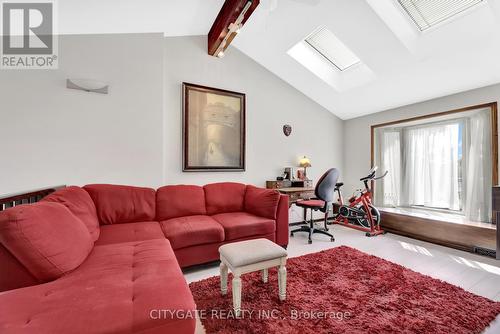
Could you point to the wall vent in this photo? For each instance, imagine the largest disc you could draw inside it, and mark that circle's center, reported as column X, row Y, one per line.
column 485, row 251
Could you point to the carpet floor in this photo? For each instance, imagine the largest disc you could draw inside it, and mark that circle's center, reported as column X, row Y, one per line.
column 343, row 290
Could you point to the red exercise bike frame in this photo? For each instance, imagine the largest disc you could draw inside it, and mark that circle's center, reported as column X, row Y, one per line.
column 360, row 214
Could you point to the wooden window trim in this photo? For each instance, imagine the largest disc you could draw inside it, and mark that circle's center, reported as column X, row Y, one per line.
column 494, row 131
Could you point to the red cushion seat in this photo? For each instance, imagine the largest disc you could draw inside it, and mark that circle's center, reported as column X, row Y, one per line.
column 311, row 203
column 118, row 233
column 116, row 290
column 242, row 225
column 192, row 230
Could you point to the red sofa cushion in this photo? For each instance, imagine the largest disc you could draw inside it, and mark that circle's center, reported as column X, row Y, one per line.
column 80, row 204
column 192, row 230
column 118, row 233
column 243, row 224
column 18, row 276
column 205, row 253
column 224, row 197
column 122, row 204
column 46, row 238
column 116, row 290
column 262, row 202
column 179, row 201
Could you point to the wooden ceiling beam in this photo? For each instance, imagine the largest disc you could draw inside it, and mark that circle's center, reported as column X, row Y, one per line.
column 228, row 14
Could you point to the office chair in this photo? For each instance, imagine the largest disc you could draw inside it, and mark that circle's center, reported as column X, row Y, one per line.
column 324, row 192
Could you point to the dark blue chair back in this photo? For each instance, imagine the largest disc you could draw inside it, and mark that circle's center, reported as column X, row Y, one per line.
column 326, row 185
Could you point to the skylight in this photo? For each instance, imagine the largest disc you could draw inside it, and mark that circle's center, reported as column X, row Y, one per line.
column 427, row 13
column 330, row 47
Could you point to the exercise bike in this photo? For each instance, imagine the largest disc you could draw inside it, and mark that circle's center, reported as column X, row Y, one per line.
column 360, row 214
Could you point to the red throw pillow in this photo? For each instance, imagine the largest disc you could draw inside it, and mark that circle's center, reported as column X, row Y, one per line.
column 262, row 202
column 46, row 238
column 179, row 201
column 78, row 201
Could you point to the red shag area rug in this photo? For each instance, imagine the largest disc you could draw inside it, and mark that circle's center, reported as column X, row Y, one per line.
column 343, row 290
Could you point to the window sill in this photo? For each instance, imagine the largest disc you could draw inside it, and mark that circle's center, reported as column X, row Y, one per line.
column 449, row 217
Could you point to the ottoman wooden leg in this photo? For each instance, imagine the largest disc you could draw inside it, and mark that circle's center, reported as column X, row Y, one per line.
column 237, row 294
column 265, row 275
column 223, row 278
column 282, row 282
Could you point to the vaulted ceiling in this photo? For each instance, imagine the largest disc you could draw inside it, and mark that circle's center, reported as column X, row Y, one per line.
column 404, row 64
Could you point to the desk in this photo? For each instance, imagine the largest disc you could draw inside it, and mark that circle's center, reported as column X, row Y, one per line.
column 296, row 194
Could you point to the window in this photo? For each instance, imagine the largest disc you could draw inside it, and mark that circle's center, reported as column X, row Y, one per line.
column 425, row 161
column 432, row 165
column 427, row 13
column 442, row 162
column 328, row 58
column 330, row 47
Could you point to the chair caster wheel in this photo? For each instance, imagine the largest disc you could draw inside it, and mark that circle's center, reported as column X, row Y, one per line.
column 309, row 242
column 368, row 234
column 291, row 234
column 332, row 239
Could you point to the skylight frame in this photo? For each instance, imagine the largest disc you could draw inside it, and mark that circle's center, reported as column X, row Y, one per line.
column 341, row 46
column 414, row 12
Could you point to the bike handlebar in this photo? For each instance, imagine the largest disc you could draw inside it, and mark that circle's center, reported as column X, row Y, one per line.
column 381, row 176
column 371, row 176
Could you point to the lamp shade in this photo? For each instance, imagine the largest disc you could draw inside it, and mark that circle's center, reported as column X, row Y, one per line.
column 305, row 162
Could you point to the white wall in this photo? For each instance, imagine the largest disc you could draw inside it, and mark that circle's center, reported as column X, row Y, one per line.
column 357, row 130
column 52, row 135
column 270, row 104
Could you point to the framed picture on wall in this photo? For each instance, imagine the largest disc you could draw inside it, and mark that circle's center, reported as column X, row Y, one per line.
column 213, row 129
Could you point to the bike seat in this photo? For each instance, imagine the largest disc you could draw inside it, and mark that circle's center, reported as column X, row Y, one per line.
column 340, row 184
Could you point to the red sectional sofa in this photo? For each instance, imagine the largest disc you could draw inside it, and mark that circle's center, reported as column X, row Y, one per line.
column 108, row 258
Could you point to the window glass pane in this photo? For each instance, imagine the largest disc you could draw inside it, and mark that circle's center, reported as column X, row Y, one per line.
column 432, row 166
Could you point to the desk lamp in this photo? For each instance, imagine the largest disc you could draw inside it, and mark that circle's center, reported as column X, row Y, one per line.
column 305, row 162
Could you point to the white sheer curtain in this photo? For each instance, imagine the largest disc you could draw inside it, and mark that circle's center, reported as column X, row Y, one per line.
column 478, row 168
column 431, row 166
column 390, row 160
column 446, row 164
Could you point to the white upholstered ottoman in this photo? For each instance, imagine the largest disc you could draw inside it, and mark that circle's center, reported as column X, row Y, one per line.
column 247, row 256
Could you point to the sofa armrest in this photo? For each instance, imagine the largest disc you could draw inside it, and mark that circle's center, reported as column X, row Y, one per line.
column 282, row 233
